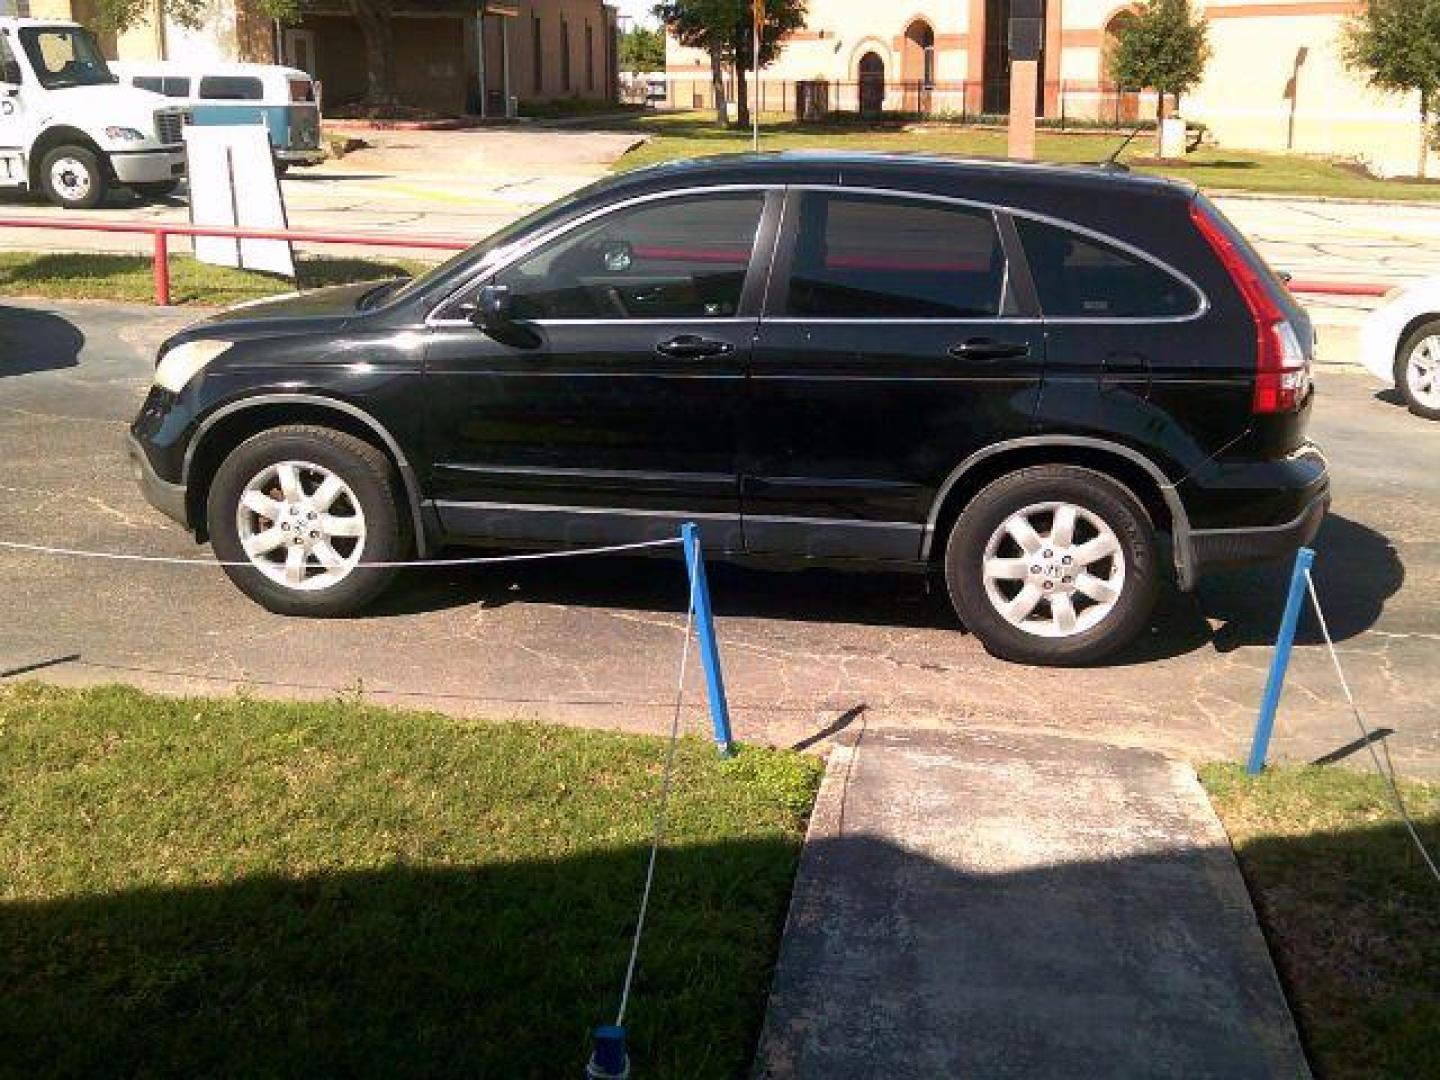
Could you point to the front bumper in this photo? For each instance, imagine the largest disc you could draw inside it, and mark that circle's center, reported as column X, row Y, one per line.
column 148, row 166
column 301, row 157
column 166, row 497
column 1213, row 549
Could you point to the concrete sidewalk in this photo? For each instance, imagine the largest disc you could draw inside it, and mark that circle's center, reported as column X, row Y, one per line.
column 989, row 905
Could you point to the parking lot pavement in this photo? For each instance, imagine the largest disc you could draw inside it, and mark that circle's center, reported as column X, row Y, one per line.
column 596, row 642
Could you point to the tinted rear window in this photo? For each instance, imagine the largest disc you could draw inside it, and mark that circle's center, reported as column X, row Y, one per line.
column 1078, row 277
column 231, row 88
column 876, row 256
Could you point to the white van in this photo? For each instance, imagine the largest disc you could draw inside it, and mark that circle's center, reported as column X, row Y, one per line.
column 67, row 126
column 285, row 100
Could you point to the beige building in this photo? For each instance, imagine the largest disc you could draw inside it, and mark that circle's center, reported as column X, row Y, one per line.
column 450, row 56
column 1275, row 81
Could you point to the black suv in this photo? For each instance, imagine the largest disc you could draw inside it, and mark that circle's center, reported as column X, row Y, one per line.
column 1046, row 381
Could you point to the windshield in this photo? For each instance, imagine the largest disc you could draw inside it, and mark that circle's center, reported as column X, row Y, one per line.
column 64, row 56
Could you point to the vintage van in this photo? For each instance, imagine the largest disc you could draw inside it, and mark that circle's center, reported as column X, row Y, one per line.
column 285, row 100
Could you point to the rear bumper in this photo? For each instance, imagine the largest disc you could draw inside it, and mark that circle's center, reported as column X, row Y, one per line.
column 148, row 166
column 1215, row 549
column 166, row 497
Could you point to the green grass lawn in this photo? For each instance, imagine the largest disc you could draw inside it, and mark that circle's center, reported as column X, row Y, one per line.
column 681, row 135
column 226, row 886
column 1350, row 912
column 64, row 276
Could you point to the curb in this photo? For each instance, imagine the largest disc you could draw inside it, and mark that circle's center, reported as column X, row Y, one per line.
column 1342, row 288
column 1344, row 200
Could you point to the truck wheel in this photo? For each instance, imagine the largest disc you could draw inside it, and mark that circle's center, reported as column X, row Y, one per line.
column 156, row 191
column 1417, row 370
column 1053, row 564
column 73, row 178
column 294, row 511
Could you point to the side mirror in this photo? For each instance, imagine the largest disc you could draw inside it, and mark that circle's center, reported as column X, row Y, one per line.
column 493, row 309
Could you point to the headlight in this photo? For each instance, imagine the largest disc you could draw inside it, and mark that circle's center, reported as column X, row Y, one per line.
column 184, row 362
column 124, row 134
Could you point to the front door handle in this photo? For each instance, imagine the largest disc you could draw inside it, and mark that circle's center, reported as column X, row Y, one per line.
column 989, row 349
column 693, row 347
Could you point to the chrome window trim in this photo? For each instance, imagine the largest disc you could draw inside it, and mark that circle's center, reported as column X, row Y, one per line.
column 1203, row 301
column 532, row 244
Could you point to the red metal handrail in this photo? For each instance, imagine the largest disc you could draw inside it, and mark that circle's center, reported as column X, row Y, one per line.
column 162, row 231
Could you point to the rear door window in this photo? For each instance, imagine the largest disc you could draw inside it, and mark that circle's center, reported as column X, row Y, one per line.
column 892, row 257
column 1080, row 277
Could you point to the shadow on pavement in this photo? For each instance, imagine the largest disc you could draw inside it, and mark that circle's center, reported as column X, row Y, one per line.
column 1356, row 571
column 33, row 341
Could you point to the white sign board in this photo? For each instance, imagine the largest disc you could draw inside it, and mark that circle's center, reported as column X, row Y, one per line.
column 233, row 182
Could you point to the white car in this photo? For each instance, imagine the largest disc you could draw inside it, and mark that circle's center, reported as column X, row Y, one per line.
column 1400, row 344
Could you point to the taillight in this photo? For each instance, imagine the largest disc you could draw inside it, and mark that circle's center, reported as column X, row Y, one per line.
column 1282, row 365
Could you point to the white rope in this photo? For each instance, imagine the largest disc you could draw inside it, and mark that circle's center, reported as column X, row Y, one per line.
column 1387, row 775
column 483, row 560
column 659, row 812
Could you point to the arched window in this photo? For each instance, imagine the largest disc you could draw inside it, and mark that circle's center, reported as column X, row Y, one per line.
column 918, row 62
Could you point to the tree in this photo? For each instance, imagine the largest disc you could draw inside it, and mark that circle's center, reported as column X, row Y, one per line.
column 120, row 15
column 1163, row 48
column 726, row 30
column 642, row 49
column 1397, row 44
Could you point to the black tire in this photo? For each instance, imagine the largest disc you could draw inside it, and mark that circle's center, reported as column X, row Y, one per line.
column 90, row 185
column 376, row 489
column 161, row 190
column 1402, row 363
column 1092, row 493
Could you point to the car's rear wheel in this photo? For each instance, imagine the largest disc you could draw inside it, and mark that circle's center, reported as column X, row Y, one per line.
column 294, row 513
column 1417, row 370
column 1054, row 565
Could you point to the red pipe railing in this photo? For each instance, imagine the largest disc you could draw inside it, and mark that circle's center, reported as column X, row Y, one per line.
column 161, row 233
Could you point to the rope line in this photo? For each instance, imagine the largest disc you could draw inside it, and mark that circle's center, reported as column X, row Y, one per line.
column 478, row 560
column 665, row 785
column 1387, row 775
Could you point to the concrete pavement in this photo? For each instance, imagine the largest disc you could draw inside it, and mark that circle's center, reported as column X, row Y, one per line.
column 806, row 653
column 997, row 905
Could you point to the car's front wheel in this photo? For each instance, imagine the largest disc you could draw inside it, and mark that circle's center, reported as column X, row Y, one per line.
column 298, row 513
column 1417, row 370
column 73, row 177
column 1053, row 565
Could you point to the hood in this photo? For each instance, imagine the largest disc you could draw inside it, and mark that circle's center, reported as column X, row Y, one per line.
column 108, row 103
column 325, row 308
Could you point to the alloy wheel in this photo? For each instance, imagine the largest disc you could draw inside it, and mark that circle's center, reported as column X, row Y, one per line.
column 1054, row 569
column 301, row 525
column 1422, row 372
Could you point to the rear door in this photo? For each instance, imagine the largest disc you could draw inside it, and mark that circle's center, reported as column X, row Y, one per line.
column 893, row 346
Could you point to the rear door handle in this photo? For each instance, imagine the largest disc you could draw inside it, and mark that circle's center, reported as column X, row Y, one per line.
column 693, row 347
column 989, row 349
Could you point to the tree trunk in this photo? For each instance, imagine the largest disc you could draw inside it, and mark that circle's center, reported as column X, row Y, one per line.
column 717, row 84
column 1424, row 135
column 374, row 19
column 1160, row 124
column 742, row 97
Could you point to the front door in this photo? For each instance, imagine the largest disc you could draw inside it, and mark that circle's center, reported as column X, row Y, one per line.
column 891, row 350
column 300, row 50
column 612, row 411
column 12, row 120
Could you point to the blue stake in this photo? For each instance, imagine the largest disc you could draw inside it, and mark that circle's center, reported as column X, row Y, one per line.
column 610, row 1060
column 705, row 627
column 1275, row 685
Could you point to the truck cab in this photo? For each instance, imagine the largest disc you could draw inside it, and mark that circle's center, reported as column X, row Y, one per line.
column 70, row 129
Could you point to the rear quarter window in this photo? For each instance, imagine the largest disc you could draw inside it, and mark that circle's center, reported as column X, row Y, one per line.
column 231, row 88
column 1081, row 277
